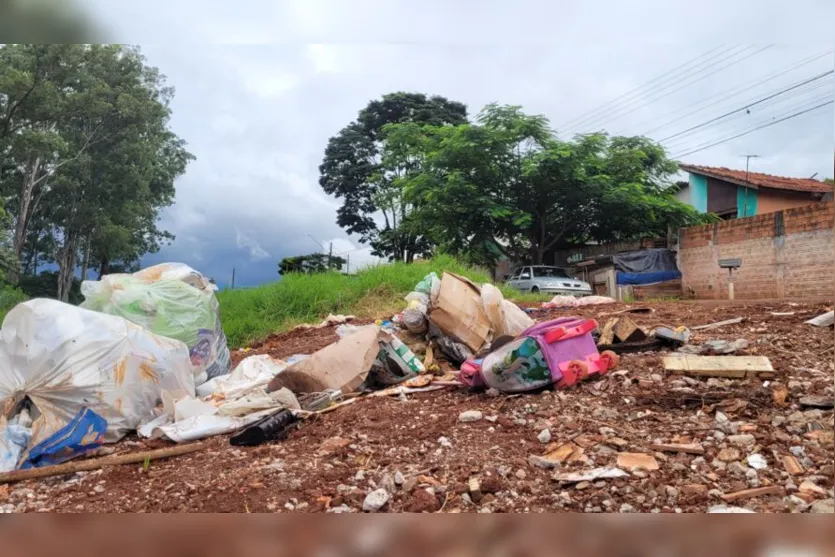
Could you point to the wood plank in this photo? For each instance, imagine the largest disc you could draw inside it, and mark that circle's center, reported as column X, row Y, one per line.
column 627, row 331
column 689, row 448
column 718, row 324
column 735, row 367
column 751, row 493
column 96, row 463
column 792, row 465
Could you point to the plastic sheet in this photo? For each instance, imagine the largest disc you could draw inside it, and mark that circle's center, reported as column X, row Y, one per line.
column 645, row 261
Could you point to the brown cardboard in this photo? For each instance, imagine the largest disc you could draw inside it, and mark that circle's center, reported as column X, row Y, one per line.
column 342, row 365
column 459, row 312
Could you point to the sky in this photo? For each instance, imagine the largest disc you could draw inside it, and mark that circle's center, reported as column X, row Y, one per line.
column 262, row 85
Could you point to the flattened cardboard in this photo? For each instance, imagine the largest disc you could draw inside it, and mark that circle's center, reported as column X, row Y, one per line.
column 342, row 365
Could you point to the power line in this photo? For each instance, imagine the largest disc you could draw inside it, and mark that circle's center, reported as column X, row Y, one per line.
column 747, row 106
column 631, row 92
column 687, row 84
column 681, row 143
column 728, row 94
column 796, row 114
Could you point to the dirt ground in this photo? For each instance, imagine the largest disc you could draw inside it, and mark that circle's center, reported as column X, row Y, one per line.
column 427, row 460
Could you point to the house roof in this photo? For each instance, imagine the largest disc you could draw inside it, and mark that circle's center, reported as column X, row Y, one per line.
column 759, row 180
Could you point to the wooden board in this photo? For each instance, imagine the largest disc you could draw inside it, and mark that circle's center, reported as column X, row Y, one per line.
column 627, row 331
column 718, row 324
column 736, row 367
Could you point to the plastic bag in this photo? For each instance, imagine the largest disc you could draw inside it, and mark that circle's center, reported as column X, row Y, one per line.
column 506, row 318
column 414, row 319
column 58, row 359
column 252, row 372
column 172, row 300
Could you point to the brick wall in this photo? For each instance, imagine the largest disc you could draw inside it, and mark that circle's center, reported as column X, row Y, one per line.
column 787, row 254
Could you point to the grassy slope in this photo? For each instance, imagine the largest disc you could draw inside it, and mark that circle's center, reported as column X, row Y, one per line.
column 376, row 292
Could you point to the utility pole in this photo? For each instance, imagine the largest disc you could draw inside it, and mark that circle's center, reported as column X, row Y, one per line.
column 745, row 202
column 330, row 255
column 232, row 287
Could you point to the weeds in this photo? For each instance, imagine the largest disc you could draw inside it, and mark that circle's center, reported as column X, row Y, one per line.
column 375, row 292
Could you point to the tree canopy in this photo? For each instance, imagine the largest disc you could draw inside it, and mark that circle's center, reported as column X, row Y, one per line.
column 312, row 263
column 88, row 157
column 508, row 185
column 360, row 170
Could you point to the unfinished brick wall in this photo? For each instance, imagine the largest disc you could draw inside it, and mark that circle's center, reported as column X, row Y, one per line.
column 786, row 254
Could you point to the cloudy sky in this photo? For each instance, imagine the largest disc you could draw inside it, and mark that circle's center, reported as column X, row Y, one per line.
column 262, row 85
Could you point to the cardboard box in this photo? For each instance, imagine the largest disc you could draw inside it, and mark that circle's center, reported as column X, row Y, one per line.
column 459, row 312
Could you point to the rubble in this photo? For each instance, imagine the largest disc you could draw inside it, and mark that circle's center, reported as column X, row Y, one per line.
column 682, row 422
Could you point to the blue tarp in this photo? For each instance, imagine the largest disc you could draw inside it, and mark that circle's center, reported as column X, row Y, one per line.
column 647, row 278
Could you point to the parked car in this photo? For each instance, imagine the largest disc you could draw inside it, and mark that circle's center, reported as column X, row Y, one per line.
column 548, row 280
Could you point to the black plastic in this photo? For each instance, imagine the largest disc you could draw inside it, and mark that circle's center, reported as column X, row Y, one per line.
column 645, row 261
column 274, row 427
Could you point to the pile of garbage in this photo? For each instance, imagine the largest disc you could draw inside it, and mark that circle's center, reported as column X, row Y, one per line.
column 72, row 378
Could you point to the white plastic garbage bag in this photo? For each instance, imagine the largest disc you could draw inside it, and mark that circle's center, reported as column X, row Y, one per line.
column 58, row 360
column 506, row 318
column 172, row 300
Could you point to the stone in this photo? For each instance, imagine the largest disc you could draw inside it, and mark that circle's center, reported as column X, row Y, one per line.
column 737, row 469
column 729, row 455
column 811, row 488
column 444, row 442
column 742, row 440
column 544, row 436
column 470, row 416
column 796, row 504
column 422, row 501
column 582, row 485
column 672, row 492
column 399, row 479
column 824, row 506
column 521, row 474
column 757, row 461
column 375, row 500
column 626, row 508
column 99, row 489
column 542, row 462
column 387, row 483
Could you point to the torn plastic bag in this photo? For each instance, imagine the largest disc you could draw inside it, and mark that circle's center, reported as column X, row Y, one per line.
column 172, row 300
column 414, row 319
column 59, row 359
column 506, row 318
column 270, row 428
column 251, row 372
column 84, row 433
column 394, row 363
column 456, row 352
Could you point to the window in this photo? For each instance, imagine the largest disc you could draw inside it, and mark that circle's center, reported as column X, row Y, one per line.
column 550, row 272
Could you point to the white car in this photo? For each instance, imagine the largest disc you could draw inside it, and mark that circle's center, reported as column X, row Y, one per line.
column 548, row 280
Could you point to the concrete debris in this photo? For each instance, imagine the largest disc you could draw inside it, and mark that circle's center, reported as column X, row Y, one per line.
column 375, row 500
column 470, row 416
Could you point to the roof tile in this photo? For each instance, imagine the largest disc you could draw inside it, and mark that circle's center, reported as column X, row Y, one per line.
column 760, row 180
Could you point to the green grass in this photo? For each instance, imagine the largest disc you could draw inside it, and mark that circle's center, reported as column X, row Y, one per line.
column 376, row 292
column 9, row 298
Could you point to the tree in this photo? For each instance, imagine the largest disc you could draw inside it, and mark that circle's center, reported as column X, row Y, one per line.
column 357, row 169
column 309, row 264
column 508, row 186
column 90, row 160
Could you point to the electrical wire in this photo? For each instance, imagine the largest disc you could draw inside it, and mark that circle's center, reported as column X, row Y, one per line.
column 728, row 94
column 589, row 113
column 677, row 143
column 747, row 106
column 687, row 84
column 796, row 114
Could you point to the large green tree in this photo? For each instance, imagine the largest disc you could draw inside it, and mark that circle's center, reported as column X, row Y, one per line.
column 508, row 185
column 358, row 169
column 89, row 158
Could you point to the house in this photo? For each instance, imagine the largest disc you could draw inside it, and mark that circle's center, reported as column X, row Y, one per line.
column 737, row 193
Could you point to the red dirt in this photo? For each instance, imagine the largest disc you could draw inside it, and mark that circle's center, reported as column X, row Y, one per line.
column 332, row 461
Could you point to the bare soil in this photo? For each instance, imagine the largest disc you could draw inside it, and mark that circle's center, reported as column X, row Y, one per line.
column 416, row 448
